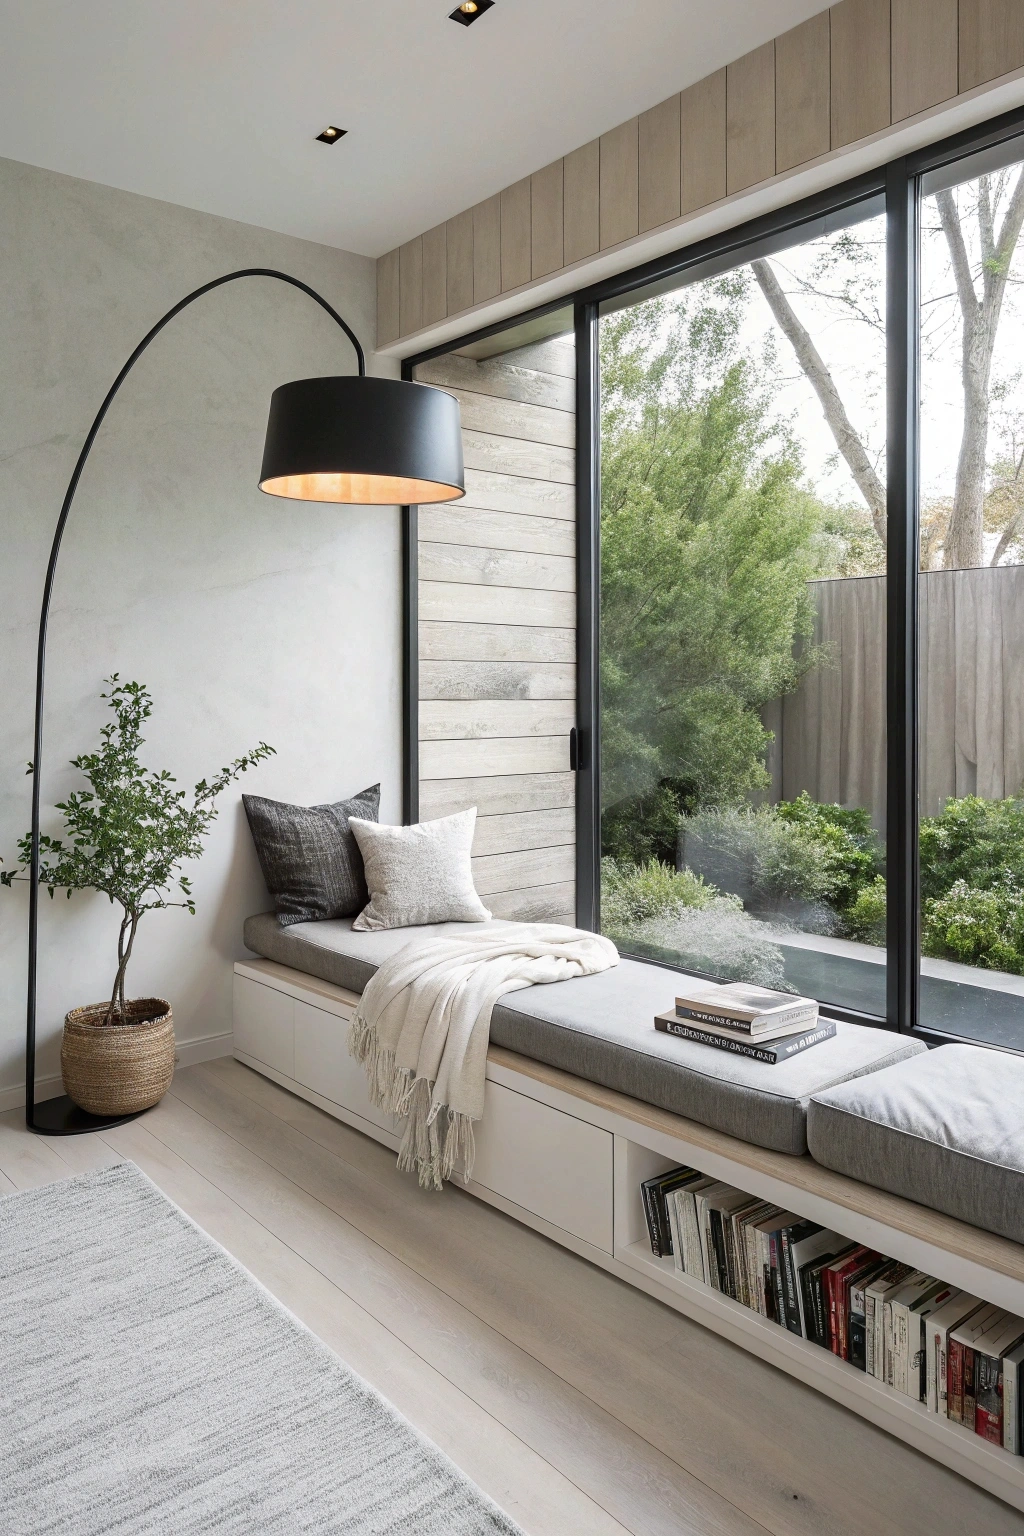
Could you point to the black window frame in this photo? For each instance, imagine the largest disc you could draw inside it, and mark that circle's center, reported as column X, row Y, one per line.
column 898, row 183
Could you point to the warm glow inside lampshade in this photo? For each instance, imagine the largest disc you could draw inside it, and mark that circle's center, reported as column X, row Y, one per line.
column 371, row 442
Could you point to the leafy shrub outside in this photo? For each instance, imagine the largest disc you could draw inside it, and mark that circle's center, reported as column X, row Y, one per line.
column 972, row 883
column 799, row 854
column 980, row 842
column 757, row 856
column 633, row 893
column 674, row 915
column 850, row 841
column 719, row 940
column 865, row 917
column 977, row 927
column 645, row 827
column 822, row 864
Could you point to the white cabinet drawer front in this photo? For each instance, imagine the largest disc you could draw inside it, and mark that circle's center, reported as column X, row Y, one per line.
column 264, row 1024
column 556, row 1166
column 322, row 1062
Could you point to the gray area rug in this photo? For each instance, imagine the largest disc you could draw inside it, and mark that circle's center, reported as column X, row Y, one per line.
column 149, row 1384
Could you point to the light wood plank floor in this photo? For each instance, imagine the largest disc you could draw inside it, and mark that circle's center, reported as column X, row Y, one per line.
column 580, row 1404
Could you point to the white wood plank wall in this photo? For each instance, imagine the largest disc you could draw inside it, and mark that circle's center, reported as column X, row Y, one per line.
column 497, row 632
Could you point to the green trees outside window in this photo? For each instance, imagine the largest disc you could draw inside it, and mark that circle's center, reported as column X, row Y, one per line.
column 743, row 480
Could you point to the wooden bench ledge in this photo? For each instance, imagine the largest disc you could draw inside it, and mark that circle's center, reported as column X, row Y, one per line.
column 987, row 1248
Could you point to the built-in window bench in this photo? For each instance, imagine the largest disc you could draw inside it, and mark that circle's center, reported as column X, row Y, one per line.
column 567, row 1157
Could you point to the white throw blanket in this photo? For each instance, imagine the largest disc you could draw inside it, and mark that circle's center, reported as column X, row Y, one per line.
column 423, row 1026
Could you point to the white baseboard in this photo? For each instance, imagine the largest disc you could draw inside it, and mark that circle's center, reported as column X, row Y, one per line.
column 188, row 1053
column 46, row 1088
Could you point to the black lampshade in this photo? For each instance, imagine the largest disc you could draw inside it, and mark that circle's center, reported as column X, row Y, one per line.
column 372, row 442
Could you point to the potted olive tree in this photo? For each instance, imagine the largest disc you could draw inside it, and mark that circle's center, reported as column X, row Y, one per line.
column 126, row 835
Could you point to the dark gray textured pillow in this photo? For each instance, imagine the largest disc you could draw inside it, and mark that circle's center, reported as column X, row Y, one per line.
column 309, row 858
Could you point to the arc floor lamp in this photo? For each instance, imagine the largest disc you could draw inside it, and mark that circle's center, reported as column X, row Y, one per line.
column 348, row 439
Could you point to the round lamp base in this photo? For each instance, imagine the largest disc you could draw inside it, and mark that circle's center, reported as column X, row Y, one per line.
column 61, row 1117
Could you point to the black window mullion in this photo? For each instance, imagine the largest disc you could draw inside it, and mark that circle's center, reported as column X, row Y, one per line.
column 902, row 377
column 410, row 657
column 588, row 610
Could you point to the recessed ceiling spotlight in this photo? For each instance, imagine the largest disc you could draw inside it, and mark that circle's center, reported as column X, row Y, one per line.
column 331, row 135
column 470, row 11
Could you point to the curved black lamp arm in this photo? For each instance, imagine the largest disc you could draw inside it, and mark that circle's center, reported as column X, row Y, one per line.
column 37, row 744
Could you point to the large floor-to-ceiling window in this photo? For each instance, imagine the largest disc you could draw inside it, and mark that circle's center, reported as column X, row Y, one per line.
column 799, row 696
column 971, row 554
column 742, row 631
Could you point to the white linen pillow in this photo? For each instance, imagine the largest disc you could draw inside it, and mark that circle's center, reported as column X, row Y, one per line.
column 418, row 874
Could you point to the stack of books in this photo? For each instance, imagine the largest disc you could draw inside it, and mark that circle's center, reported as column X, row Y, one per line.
column 955, row 1354
column 748, row 1021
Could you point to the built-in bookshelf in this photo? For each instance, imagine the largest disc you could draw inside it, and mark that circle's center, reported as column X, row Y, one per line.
column 799, row 1356
column 567, row 1157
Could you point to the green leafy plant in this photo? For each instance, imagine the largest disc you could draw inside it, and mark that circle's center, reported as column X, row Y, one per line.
column 849, row 841
column 977, row 927
column 709, row 537
column 865, row 917
column 854, row 821
column 799, row 852
column 128, row 834
column 979, row 842
column 635, row 893
column 972, row 883
column 644, row 827
column 757, row 855
column 654, row 910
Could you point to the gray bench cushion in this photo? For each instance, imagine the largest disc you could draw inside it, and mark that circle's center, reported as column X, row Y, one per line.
column 945, row 1129
column 336, row 952
column 601, row 1028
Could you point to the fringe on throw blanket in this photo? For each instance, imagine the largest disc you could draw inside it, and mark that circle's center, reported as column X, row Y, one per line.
column 397, row 1091
column 423, row 1023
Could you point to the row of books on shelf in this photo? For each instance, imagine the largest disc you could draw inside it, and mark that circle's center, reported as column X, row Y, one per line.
column 962, row 1357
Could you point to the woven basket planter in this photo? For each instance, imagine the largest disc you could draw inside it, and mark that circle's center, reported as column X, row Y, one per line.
column 118, row 1069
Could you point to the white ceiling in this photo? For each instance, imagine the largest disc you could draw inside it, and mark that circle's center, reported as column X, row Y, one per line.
column 214, row 104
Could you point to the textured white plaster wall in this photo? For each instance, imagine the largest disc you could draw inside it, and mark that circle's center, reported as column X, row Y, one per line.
column 248, row 617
